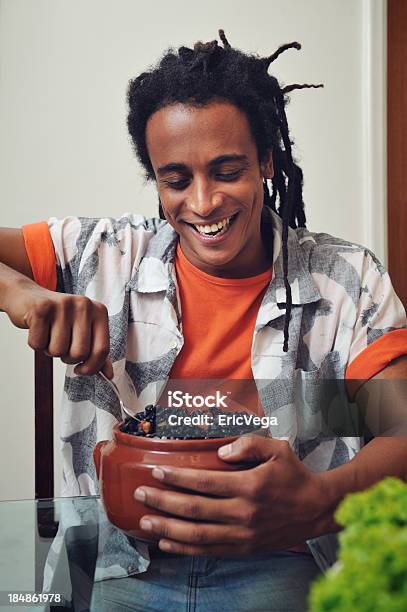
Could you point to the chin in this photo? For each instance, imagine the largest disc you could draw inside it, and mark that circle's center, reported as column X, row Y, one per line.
column 218, row 261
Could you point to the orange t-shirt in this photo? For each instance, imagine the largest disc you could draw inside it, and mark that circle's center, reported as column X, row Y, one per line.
column 218, row 319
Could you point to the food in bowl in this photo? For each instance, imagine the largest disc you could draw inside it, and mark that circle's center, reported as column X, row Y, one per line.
column 160, row 422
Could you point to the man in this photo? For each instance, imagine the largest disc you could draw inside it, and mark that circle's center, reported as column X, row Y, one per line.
column 222, row 286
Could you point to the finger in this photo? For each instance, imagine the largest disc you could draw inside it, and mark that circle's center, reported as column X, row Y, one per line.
column 108, row 369
column 191, row 506
column 200, row 534
column 60, row 336
column 99, row 343
column 82, row 315
column 211, row 482
column 223, row 550
column 39, row 334
column 250, row 448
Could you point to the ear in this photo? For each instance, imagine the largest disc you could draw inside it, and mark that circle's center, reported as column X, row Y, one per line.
column 267, row 167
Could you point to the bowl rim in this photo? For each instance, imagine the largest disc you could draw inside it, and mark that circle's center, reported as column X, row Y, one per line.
column 149, row 443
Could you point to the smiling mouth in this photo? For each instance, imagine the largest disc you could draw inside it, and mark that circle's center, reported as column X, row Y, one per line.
column 214, row 229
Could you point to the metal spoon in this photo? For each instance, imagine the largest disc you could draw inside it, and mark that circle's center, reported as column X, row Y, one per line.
column 114, row 387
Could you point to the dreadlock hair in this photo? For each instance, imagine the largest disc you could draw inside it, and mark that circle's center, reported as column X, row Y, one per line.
column 210, row 72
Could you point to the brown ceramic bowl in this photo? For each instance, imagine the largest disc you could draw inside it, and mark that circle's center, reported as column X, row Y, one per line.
column 126, row 462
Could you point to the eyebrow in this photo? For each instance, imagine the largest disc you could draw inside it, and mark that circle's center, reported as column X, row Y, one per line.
column 217, row 161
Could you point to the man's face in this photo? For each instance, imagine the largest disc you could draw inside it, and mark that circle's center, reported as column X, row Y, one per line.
column 207, row 172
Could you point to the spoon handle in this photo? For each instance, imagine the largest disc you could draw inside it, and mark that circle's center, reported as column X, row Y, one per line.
column 115, row 388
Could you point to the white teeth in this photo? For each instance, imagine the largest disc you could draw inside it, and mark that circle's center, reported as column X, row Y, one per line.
column 206, row 229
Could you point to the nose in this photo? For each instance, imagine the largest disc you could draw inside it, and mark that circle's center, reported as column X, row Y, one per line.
column 203, row 198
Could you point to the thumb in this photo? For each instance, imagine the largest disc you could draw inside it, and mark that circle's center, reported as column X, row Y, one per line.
column 108, row 369
column 252, row 448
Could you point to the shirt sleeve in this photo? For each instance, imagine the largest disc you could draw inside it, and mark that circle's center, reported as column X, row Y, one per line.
column 88, row 256
column 380, row 332
column 41, row 254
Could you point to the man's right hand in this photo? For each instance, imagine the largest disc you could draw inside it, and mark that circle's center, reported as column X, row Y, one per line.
column 71, row 327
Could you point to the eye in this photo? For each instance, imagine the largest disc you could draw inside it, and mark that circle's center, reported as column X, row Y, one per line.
column 229, row 176
column 178, row 185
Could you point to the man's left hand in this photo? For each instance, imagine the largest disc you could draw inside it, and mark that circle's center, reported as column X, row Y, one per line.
column 277, row 504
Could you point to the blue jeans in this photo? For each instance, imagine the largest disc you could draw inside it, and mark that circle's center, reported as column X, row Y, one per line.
column 277, row 581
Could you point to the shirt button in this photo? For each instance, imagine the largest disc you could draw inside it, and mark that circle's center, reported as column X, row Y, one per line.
column 174, row 345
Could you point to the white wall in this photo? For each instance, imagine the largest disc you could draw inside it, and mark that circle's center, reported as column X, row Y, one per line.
column 64, row 68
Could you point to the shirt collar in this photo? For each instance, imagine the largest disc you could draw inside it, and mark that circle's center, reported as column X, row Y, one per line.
column 154, row 272
column 157, row 266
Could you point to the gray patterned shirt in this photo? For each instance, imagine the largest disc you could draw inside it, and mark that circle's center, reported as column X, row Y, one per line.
column 342, row 299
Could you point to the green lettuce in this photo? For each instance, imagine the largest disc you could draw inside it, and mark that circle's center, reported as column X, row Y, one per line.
column 371, row 572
